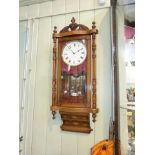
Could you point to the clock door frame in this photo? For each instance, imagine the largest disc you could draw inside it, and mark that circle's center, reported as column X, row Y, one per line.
column 87, row 98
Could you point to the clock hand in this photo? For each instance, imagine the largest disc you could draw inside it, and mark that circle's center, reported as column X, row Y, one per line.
column 78, row 50
column 73, row 52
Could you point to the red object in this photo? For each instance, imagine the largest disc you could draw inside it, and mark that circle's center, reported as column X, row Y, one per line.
column 129, row 32
column 74, row 69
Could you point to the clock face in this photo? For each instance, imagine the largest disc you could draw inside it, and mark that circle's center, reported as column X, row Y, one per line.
column 74, row 53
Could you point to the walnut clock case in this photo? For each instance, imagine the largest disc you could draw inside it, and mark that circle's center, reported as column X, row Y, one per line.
column 74, row 76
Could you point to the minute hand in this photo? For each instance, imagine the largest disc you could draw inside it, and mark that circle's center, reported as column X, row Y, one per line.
column 78, row 50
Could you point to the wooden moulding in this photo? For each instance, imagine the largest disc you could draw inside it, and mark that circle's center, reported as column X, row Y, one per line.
column 68, row 109
column 94, row 70
column 77, row 32
column 54, row 73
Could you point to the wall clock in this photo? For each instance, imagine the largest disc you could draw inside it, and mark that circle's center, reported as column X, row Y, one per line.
column 74, row 76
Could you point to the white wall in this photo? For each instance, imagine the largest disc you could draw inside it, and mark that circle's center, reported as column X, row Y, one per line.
column 42, row 134
column 22, row 71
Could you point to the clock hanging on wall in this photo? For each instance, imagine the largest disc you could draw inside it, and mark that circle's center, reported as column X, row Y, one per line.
column 74, row 76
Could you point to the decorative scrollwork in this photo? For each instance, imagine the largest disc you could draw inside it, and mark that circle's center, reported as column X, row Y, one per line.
column 74, row 26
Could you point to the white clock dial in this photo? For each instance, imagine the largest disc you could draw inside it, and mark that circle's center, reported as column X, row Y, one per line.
column 74, row 53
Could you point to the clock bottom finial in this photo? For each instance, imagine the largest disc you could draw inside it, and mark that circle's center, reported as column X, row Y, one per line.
column 53, row 113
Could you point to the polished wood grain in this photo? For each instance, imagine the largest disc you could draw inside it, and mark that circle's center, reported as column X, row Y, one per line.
column 94, row 70
column 75, row 122
column 54, row 73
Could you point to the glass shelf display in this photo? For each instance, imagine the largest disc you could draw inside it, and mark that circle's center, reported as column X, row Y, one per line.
column 129, row 37
column 126, row 60
column 131, row 131
column 129, row 33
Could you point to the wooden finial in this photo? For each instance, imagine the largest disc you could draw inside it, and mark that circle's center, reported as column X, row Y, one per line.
column 94, row 116
column 53, row 113
column 55, row 29
column 73, row 20
column 93, row 26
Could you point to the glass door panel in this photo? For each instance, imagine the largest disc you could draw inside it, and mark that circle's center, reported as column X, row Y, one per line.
column 125, row 14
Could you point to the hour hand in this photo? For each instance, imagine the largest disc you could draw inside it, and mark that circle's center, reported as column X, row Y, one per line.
column 72, row 52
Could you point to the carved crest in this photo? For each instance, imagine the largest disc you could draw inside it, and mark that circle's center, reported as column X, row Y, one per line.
column 74, row 26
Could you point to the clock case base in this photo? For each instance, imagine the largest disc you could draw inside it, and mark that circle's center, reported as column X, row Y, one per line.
column 75, row 122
